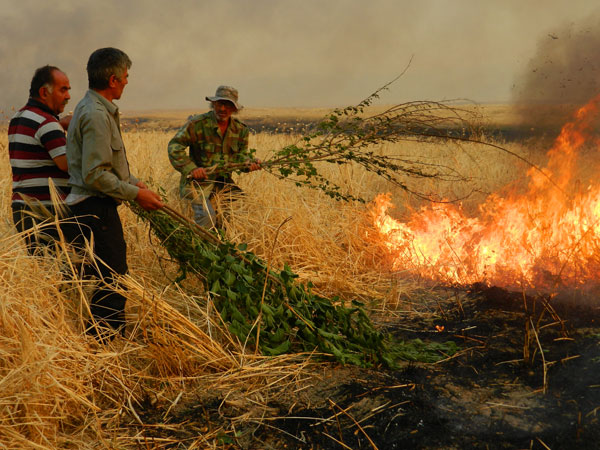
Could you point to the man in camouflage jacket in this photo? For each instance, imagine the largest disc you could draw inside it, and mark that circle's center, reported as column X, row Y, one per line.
column 213, row 138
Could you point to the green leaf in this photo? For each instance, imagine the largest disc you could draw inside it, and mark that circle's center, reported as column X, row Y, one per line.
column 216, row 287
column 284, row 347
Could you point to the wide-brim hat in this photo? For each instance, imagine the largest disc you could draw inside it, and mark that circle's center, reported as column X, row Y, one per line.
column 227, row 93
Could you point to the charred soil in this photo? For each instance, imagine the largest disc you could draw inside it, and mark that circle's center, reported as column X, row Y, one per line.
column 526, row 377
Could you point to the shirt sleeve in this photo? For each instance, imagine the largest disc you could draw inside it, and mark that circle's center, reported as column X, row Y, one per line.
column 52, row 137
column 177, row 149
column 100, row 148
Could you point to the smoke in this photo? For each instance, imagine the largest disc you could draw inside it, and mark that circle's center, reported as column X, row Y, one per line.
column 563, row 74
column 280, row 53
column 55, row 33
column 310, row 53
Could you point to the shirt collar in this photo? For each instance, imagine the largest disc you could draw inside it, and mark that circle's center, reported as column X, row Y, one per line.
column 110, row 106
column 37, row 104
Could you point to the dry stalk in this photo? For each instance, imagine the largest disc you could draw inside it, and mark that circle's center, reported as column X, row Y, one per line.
column 544, row 366
column 543, row 444
column 556, row 317
column 338, row 441
column 355, row 422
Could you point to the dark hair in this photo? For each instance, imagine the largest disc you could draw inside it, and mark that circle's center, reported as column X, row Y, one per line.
column 104, row 63
column 43, row 76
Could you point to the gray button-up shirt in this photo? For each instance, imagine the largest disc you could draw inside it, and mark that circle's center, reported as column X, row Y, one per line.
column 95, row 152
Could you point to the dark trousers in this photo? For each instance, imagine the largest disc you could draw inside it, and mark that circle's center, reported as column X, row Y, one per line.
column 99, row 217
column 26, row 220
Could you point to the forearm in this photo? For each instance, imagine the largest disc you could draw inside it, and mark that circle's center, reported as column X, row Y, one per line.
column 179, row 158
column 178, row 151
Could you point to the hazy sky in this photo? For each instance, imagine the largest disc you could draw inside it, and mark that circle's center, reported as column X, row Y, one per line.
column 300, row 52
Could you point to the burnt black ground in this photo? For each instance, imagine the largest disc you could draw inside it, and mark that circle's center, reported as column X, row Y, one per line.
column 492, row 395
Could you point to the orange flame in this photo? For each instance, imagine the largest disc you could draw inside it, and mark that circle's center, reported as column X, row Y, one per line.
column 543, row 239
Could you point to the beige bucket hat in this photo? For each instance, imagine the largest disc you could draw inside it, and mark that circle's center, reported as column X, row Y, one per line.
column 226, row 93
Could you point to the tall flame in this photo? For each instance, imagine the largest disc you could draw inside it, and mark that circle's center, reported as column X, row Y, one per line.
column 545, row 238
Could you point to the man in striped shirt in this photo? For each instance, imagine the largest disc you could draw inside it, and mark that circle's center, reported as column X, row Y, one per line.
column 37, row 149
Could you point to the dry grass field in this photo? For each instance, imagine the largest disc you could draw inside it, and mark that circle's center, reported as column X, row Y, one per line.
column 180, row 380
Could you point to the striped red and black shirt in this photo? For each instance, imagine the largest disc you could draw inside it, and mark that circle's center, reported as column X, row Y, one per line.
column 34, row 138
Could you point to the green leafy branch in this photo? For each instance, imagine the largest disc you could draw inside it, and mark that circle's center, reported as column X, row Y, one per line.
column 271, row 310
column 349, row 136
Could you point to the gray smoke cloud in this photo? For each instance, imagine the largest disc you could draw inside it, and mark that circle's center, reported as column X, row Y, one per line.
column 562, row 75
column 278, row 52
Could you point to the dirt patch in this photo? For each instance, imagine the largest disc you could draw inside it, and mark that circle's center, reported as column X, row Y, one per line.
column 527, row 377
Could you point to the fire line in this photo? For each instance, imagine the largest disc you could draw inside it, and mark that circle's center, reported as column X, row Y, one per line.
column 542, row 239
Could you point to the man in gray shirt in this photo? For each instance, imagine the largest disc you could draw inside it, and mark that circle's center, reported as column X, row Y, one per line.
column 100, row 180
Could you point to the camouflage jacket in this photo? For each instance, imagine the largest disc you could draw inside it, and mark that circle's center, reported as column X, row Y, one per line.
column 207, row 146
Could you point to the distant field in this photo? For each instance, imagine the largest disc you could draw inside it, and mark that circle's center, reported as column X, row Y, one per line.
column 273, row 119
column 503, row 122
column 500, row 121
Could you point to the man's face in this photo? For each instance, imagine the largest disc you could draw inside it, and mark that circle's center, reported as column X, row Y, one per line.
column 118, row 84
column 56, row 98
column 223, row 110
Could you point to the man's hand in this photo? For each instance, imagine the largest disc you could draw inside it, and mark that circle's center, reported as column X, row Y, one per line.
column 254, row 165
column 199, row 173
column 149, row 200
column 65, row 121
